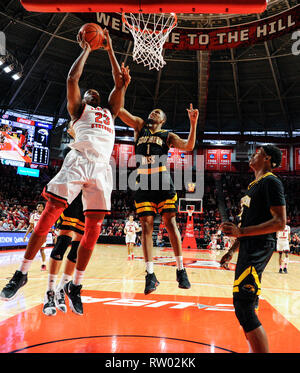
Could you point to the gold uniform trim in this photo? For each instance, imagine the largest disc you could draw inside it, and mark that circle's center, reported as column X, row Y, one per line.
column 250, row 270
column 148, row 171
column 262, row 177
column 145, row 204
column 143, row 209
column 72, row 221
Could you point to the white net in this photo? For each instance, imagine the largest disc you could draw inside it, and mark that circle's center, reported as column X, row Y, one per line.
column 150, row 32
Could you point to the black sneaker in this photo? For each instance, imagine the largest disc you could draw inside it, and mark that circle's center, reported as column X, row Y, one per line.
column 280, row 270
column 285, row 270
column 49, row 308
column 182, row 278
column 151, row 283
column 73, row 293
column 15, row 283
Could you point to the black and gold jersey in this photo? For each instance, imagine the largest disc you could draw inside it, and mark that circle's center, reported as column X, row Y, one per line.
column 151, row 149
column 261, row 194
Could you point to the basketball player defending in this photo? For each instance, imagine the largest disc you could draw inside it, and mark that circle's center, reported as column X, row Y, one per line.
column 130, row 230
column 283, row 246
column 263, row 214
column 152, row 144
column 34, row 218
column 85, row 168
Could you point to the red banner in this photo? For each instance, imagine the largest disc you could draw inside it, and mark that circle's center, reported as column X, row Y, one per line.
column 126, row 155
column 179, row 158
column 284, row 167
column 297, row 159
column 214, row 38
column 218, row 159
column 225, row 160
column 212, row 159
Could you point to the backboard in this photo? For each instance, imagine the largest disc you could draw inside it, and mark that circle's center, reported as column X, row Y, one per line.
column 146, row 6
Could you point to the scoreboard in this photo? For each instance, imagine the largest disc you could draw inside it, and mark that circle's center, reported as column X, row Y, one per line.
column 24, row 141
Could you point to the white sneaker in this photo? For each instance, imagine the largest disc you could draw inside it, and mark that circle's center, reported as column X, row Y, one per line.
column 49, row 308
column 60, row 300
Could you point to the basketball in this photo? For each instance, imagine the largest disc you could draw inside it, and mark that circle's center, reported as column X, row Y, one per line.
column 94, row 35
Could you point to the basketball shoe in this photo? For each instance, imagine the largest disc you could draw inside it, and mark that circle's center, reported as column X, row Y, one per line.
column 73, row 293
column 151, row 283
column 60, row 300
column 49, row 307
column 182, row 279
column 15, row 283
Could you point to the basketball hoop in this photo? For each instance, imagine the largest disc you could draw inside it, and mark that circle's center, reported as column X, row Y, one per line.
column 190, row 210
column 150, row 32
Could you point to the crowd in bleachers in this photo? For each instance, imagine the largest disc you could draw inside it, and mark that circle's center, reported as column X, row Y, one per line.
column 235, row 186
column 20, row 194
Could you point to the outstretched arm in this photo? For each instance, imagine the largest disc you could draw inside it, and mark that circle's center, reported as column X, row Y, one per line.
column 73, row 91
column 177, row 142
column 116, row 97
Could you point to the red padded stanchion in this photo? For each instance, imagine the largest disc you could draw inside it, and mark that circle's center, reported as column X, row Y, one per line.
column 146, row 6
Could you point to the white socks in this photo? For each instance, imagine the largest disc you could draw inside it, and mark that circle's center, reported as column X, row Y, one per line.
column 25, row 266
column 78, row 276
column 51, row 282
column 64, row 279
column 179, row 262
column 149, row 267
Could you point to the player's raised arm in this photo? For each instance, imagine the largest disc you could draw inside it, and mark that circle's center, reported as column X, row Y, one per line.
column 177, row 142
column 131, row 120
column 116, row 97
column 73, row 91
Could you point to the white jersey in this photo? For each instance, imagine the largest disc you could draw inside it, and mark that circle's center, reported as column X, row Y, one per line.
column 284, row 235
column 94, row 134
column 131, row 227
column 34, row 218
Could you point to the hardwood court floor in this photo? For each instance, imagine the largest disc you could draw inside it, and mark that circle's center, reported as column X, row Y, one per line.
column 118, row 317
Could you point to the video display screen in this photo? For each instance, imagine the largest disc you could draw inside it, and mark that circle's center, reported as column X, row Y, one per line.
column 24, row 141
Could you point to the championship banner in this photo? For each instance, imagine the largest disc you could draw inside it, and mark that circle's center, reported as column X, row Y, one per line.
column 126, row 152
column 284, row 167
column 297, row 159
column 212, row 159
column 179, row 158
column 225, row 159
column 212, row 38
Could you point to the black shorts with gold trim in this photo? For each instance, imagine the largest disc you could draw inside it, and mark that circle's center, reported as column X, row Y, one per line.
column 72, row 219
column 160, row 199
column 254, row 255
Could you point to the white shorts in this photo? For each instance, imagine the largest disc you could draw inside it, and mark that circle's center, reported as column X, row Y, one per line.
column 130, row 238
column 78, row 173
column 282, row 246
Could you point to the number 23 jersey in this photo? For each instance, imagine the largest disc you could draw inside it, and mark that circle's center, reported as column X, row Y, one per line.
column 94, row 134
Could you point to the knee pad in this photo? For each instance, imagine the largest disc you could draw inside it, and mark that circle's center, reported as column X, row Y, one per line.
column 72, row 256
column 60, row 247
column 245, row 313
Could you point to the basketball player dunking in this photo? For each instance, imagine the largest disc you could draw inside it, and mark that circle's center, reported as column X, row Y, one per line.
column 85, row 168
column 152, row 144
